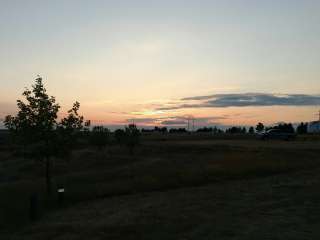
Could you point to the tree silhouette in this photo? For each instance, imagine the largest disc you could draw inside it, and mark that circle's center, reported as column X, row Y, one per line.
column 251, row 130
column 259, row 127
column 69, row 129
column 285, row 127
column 236, row 130
column 132, row 136
column 302, row 128
column 177, row 130
column 120, row 136
column 99, row 136
column 35, row 123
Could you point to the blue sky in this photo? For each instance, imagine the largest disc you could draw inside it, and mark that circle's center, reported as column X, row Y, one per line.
column 125, row 58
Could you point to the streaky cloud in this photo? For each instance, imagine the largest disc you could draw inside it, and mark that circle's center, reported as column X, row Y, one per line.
column 246, row 100
column 173, row 122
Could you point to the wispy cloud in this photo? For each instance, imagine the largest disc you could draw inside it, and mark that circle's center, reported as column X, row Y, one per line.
column 173, row 122
column 245, row 100
column 176, row 120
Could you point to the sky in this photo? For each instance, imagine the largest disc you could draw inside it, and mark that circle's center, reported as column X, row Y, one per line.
column 227, row 62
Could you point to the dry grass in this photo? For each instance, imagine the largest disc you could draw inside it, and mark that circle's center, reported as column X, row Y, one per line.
column 173, row 188
column 278, row 207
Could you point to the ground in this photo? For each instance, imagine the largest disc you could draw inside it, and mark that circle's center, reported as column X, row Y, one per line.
column 185, row 188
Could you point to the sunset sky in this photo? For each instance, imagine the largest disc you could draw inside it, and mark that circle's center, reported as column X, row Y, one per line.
column 227, row 62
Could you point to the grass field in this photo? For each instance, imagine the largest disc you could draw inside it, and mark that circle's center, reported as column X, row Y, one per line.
column 173, row 187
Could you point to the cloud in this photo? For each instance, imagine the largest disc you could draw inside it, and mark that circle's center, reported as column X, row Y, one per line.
column 245, row 100
column 177, row 120
column 198, row 97
column 173, row 122
column 142, row 120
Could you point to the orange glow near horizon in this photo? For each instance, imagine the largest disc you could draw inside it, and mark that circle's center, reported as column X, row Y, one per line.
column 125, row 60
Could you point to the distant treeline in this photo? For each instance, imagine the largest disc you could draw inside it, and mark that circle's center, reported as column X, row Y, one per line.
column 285, row 127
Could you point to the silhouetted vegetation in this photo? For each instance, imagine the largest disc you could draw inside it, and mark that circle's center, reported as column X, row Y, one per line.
column 132, row 137
column 284, row 127
column 35, row 126
column 251, row 130
column 236, row 130
column 100, row 137
column 259, row 127
column 155, row 129
column 69, row 130
column 302, row 128
column 178, row 130
column 120, row 136
column 213, row 130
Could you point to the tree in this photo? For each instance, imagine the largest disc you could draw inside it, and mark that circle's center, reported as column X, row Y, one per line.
column 132, row 136
column 120, row 136
column 251, row 130
column 235, row 130
column 160, row 129
column 177, row 130
column 302, row 128
column 69, row 129
column 285, row 127
column 259, row 127
column 205, row 129
column 99, row 136
column 35, row 123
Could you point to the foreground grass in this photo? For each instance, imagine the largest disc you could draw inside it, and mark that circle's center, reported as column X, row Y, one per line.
column 158, row 165
column 283, row 206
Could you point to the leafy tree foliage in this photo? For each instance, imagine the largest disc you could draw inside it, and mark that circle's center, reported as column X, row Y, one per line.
column 259, row 127
column 251, row 130
column 36, row 125
column 69, row 129
column 35, row 122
